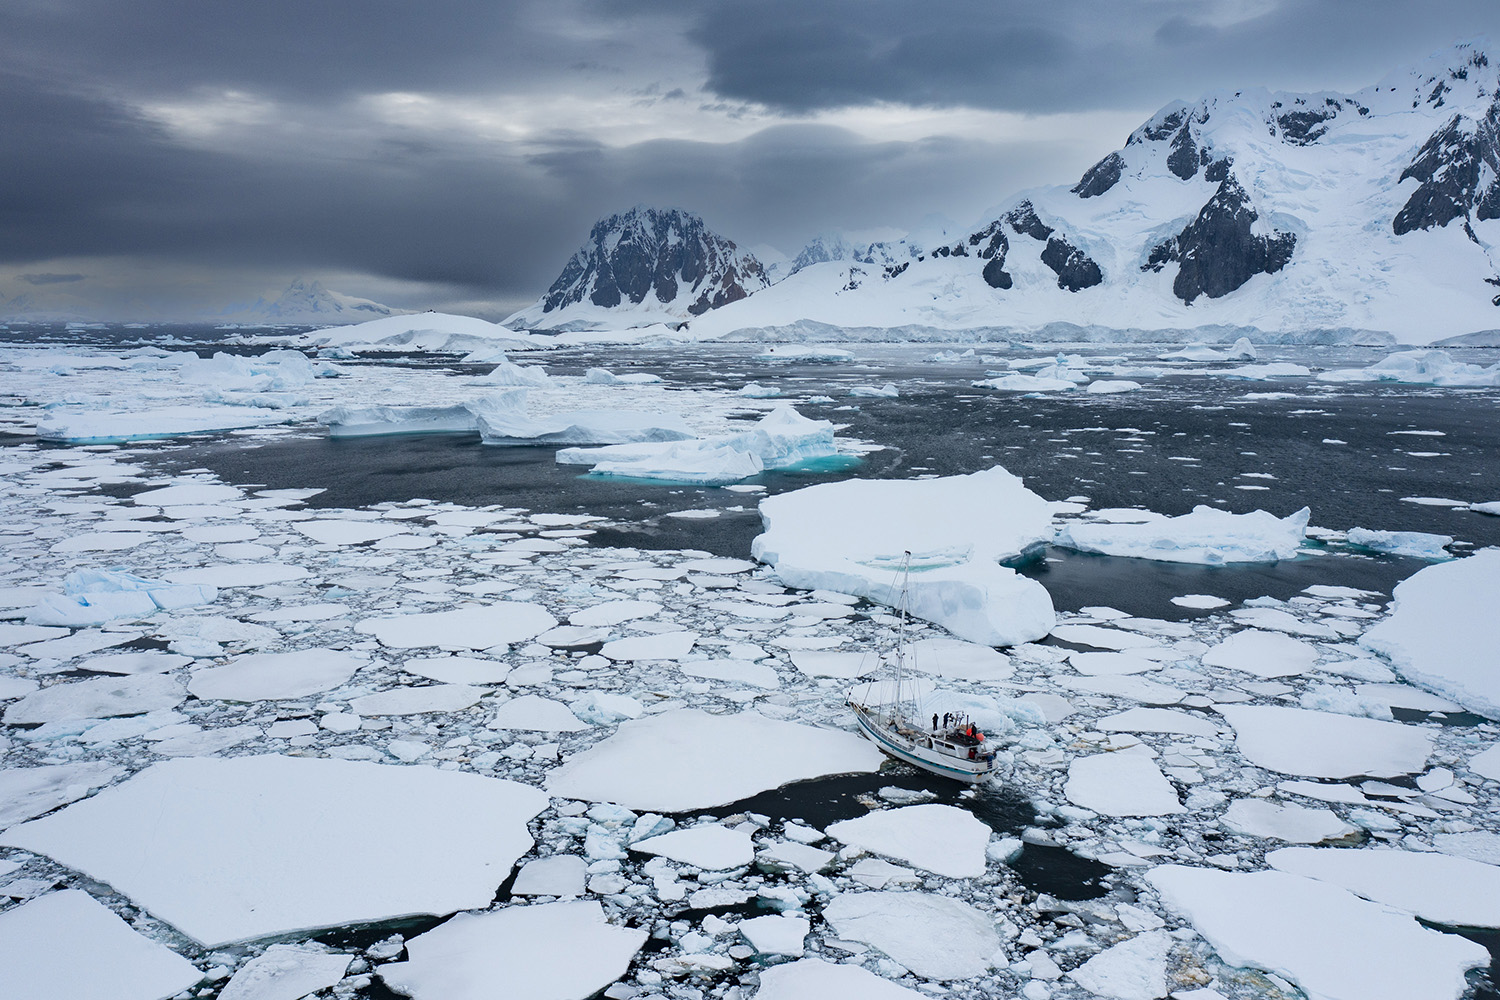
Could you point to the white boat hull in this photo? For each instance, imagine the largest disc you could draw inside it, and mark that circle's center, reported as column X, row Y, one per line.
column 912, row 747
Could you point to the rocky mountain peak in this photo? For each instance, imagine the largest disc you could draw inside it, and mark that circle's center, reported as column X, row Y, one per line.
column 662, row 257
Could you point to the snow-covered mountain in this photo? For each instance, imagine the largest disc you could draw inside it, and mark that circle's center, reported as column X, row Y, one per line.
column 308, row 302
column 645, row 266
column 1317, row 215
column 829, row 247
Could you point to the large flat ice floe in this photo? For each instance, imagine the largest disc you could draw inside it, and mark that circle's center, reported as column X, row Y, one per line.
column 66, row 944
column 814, row 979
column 1440, row 634
column 1435, row 887
column 1311, row 744
column 550, row 951
column 690, row 759
column 1119, row 784
column 1328, row 941
column 1424, row 367
column 429, row 331
column 939, row 838
column 189, row 840
column 26, row 792
column 851, row 537
column 113, row 426
column 1207, row 536
column 480, row 627
column 937, row 937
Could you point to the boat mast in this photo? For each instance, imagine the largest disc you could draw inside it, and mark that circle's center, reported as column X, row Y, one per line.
column 901, row 611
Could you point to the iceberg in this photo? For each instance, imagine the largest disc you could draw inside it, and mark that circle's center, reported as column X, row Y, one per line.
column 851, row 537
column 1207, row 536
column 507, row 373
column 1402, row 543
column 787, row 353
column 603, row 376
column 429, row 331
column 1242, row 350
column 781, row 439
column 505, row 422
column 371, row 421
column 274, row 371
column 1424, row 367
column 1440, row 633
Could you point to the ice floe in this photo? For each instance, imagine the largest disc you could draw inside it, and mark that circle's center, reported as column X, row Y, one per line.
column 286, row 972
column 96, row 698
column 937, row 937
column 851, row 537
column 709, row 846
column 939, row 838
column 26, row 792
column 1264, row 654
column 1120, row 784
column 548, row 951
column 1312, row 744
column 657, row 762
column 1435, row 887
column 1208, row 536
column 66, row 944
column 1424, row 367
column 1284, row 821
column 815, row 979
column 1439, row 633
column 188, row 840
column 1134, row 969
column 1326, row 940
column 276, row 676
column 475, row 627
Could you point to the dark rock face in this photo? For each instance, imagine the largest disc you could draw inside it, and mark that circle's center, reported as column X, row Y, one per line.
column 992, row 248
column 1100, row 177
column 1023, row 220
column 1183, row 159
column 1075, row 269
column 1217, row 252
column 661, row 254
column 1301, row 128
column 1450, row 166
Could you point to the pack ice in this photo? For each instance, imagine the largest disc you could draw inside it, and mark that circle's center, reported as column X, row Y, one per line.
column 851, row 537
column 350, row 842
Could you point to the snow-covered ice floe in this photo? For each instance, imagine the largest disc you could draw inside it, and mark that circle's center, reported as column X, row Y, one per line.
column 689, row 759
column 1325, row 745
column 1440, row 634
column 68, row 945
column 1325, row 939
column 549, row 951
column 93, row 597
column 1207, row 536
column 939, row 838
column 780, row 440
column 353, row 842
column 459, row 418
column 113, row 426
column 511, row 425
column 851, row 537
column 1433, row 886
column 1420, row 544
column 935, row 936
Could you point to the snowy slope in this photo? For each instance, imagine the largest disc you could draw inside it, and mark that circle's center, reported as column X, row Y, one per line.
column 1307, row 215
column 644, row 266
column 309, row 302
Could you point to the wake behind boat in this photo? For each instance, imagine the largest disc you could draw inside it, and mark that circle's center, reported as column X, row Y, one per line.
column 905, row 726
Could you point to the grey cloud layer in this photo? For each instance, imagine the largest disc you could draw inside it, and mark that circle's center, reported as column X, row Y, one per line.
column 88, row 174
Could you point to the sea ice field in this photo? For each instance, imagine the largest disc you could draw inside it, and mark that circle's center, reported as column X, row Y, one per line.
column 520, row 670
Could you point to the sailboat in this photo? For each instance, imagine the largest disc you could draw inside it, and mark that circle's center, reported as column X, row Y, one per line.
column 889, row 714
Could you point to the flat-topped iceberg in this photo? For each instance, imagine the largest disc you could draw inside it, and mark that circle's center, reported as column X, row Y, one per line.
column 370, row 421
column 1242, row 350
column 509, row 424
column 1440, row 634
column 430, row 331
column 1207, row 536
column 782, row 439
column 852, row 537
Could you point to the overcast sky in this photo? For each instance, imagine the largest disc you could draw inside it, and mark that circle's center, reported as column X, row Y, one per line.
column 162, row 157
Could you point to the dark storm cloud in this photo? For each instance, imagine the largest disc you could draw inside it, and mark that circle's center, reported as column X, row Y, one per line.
column 1062, row 55
column 287, row 48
